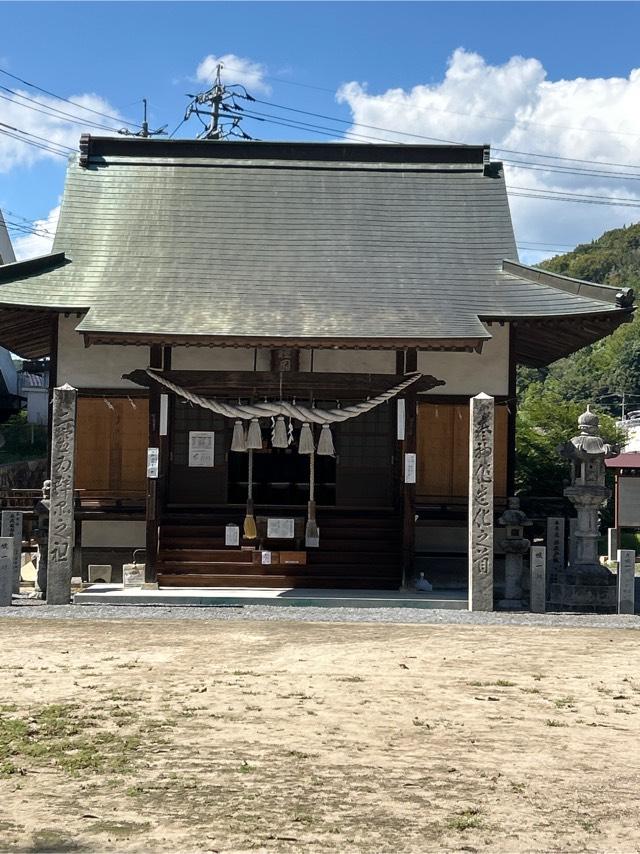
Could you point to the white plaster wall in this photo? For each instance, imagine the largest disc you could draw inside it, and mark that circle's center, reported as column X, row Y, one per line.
column 98, row 366
column 471, row 373
column 113, row 534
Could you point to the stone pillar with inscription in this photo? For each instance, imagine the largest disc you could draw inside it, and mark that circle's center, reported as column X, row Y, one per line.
column 61, row 514
column 555, row 549
column 626, row 580
column 6, row 570
column 481, row 432
column 12, row 527
column 537, row 587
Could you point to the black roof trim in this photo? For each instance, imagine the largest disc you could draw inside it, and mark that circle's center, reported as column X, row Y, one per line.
column 96, row 147
column 32, row 266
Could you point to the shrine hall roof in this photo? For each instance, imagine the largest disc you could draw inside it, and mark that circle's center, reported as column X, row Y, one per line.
column 236, row 242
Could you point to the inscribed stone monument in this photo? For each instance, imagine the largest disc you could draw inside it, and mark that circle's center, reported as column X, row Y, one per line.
column 626, row 580
column 61, row 529
column 6, row 570
column 555, row 547
column 538, row 567
column 481, row 503
column 12, row 527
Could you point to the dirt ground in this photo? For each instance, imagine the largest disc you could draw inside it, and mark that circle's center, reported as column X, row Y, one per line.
column 284, row 737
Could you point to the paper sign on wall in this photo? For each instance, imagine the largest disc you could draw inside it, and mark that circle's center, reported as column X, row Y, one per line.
column 232, row 535
column 409, row 468
column 153, row 462
column 201, row 448
column 280, row 529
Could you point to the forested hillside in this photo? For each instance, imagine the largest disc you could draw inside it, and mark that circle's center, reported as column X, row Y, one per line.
column 551, row 398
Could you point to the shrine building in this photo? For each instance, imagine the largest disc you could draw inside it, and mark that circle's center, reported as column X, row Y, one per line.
column 274, row 346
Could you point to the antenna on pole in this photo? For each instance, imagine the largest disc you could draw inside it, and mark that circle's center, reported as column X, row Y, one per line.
column 221, row 101
column 144, row 132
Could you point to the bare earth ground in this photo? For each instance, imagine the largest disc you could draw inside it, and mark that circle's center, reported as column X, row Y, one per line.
column 154, row 735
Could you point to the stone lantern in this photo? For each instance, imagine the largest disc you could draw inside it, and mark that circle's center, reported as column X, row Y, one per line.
column 515, row 545
column 587, row 582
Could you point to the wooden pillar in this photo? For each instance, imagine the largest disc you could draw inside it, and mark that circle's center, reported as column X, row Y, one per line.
column 409, row 474
column 512, row 413
column 153, row 521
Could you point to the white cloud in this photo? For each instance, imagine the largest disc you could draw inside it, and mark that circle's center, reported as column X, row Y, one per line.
column 515, row 106
column 32, row 245
column 236, row 69
column 47, row 127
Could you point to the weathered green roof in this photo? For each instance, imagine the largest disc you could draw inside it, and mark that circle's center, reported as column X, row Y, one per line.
column 290, row 241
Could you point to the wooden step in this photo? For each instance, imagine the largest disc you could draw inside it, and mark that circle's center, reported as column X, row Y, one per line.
column 205, row 555
column 306, row 570
column 259, row 581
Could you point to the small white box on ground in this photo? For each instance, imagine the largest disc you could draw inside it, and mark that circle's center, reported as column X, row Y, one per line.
column 133, row 575
column 100, row 573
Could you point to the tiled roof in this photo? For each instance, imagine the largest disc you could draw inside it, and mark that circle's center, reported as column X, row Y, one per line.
column 290, row 240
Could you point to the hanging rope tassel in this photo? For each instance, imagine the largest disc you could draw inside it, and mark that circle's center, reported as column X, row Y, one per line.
column 325, row 442
column 305, row 444
column 238, row 440
column 250, row 530
column 254, row 435
column 279, row 438
column 311, row 530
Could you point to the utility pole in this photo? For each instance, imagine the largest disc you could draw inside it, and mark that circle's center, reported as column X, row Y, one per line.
column 144, row 132
column 221, row 101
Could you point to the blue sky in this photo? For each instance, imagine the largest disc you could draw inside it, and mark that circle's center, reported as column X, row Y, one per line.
column 569, row 94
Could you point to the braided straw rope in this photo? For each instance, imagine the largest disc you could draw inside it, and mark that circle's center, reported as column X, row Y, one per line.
column 300, row 413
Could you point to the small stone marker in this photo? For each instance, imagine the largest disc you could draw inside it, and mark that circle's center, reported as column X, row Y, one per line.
column 61, row 517
column 612, row 543
column 481, row 503
column 626, row 581
column 12, row 527
column 555, row 546
column 538, row 568
column 6, row 570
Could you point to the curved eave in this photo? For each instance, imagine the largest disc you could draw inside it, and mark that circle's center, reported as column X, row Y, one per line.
column 28, row 332
column 539, row 341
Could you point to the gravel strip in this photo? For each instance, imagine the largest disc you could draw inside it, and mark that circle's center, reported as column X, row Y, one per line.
column 31, row 609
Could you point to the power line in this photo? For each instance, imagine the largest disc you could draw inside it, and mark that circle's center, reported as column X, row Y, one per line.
column 35, row 136
column 51, row 111
column 67, row 100
column 32, row 143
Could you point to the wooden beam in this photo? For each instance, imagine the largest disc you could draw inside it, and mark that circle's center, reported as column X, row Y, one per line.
column 409, row 489
column 155, row 361
column 465, row 345
column 512, row 411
